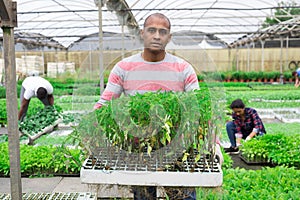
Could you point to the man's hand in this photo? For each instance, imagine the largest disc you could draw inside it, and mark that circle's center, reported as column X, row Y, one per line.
column 248, row 138
column 97, row 106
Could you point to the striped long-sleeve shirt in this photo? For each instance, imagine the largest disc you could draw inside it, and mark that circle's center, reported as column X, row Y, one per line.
column 135, row 75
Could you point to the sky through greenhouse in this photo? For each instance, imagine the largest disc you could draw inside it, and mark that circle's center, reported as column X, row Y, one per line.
column 69, row 20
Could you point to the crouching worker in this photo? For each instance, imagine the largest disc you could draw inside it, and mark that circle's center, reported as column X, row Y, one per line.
column 35, row 86
column 246, row 124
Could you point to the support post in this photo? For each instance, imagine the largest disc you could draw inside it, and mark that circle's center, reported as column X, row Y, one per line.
column 8, row 20
column 281, row 61
column 262, row 55
column 101, row 68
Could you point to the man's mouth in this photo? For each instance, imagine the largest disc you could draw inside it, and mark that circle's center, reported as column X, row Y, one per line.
column 156, row 44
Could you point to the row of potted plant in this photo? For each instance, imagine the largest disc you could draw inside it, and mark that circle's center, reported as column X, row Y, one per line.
column 241, row 76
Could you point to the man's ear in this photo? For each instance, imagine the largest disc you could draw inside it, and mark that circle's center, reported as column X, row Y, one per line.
column 142, row 33
column 170, row 37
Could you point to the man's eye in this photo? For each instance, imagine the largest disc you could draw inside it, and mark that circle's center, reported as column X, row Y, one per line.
column 152, row 30
column 163, row 32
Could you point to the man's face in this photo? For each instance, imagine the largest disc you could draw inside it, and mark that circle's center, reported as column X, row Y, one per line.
column 238, row 111
column 156, row 34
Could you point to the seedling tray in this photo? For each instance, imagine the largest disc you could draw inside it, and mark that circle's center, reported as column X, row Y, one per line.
column 45, row 130
column 161, row 168
column 255, row 161
column 53, row 196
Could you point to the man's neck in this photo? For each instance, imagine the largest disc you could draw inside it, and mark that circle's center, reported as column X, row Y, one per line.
column 151, row 56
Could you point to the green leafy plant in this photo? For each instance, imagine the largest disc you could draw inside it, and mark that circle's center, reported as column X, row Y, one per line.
column 200, row 77
column 270, row 183
column 227, row 75
column 283, row 12
column 145, row 122
column 287, row 75
column 43, row 160
column 36, row 123
column 236, row 75
column 253, row 75
column 244, row 76
column 280, row 149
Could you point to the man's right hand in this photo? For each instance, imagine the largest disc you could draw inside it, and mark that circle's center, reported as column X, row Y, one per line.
column 97, row 106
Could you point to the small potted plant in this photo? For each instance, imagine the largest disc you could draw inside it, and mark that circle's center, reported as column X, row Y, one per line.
column 270, row 76
column 288, row 76
column 200, row 77
column 244, row 76
column 253, row 76
column 236, row 76
column 260, row 76
column 228, row 76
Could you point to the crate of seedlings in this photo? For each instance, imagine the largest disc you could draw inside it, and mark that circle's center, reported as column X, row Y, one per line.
column 158, row 139
column 42, row 122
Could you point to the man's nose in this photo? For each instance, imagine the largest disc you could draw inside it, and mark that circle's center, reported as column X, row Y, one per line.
column 156, row 34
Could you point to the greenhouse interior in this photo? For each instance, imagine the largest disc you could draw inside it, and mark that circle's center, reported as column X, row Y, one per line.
column 144, row 99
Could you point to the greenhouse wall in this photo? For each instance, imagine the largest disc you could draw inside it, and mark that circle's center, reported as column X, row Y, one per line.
column 252, row 59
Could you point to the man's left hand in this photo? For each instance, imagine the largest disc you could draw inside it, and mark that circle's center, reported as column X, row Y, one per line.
column 248, row 138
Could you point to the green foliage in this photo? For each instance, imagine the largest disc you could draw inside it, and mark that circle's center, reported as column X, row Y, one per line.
column 227, row 164
column 287, row 75
column 260, row 75
column 3, row 91
column 264, row 96
column 281, row 149
column 244, row 75
column 270, row 75
column 3, row 115
column 283, row 128
column 41, row 119
column 236, row 75
column 37, row 160
column 200, row 77
column 48, row 140
column 227, row 75
column 253, row 76
column 215, row 76
column 284, row 12
column 269, row 183
column 149, row 121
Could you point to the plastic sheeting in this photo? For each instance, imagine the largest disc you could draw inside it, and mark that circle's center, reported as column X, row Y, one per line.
column 66, row 21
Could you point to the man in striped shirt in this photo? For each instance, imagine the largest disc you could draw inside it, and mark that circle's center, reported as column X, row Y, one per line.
column 149, row 71
column 152, row 70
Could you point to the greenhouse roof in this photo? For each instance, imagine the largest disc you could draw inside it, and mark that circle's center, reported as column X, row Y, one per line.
column 66, row 21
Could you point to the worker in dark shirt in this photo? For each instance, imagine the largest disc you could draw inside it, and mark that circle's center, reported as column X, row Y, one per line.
column 246, row 124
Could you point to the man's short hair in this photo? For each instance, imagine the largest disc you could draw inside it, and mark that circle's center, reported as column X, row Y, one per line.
column 238, row 103
column 41, row 93
column 160, row 15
